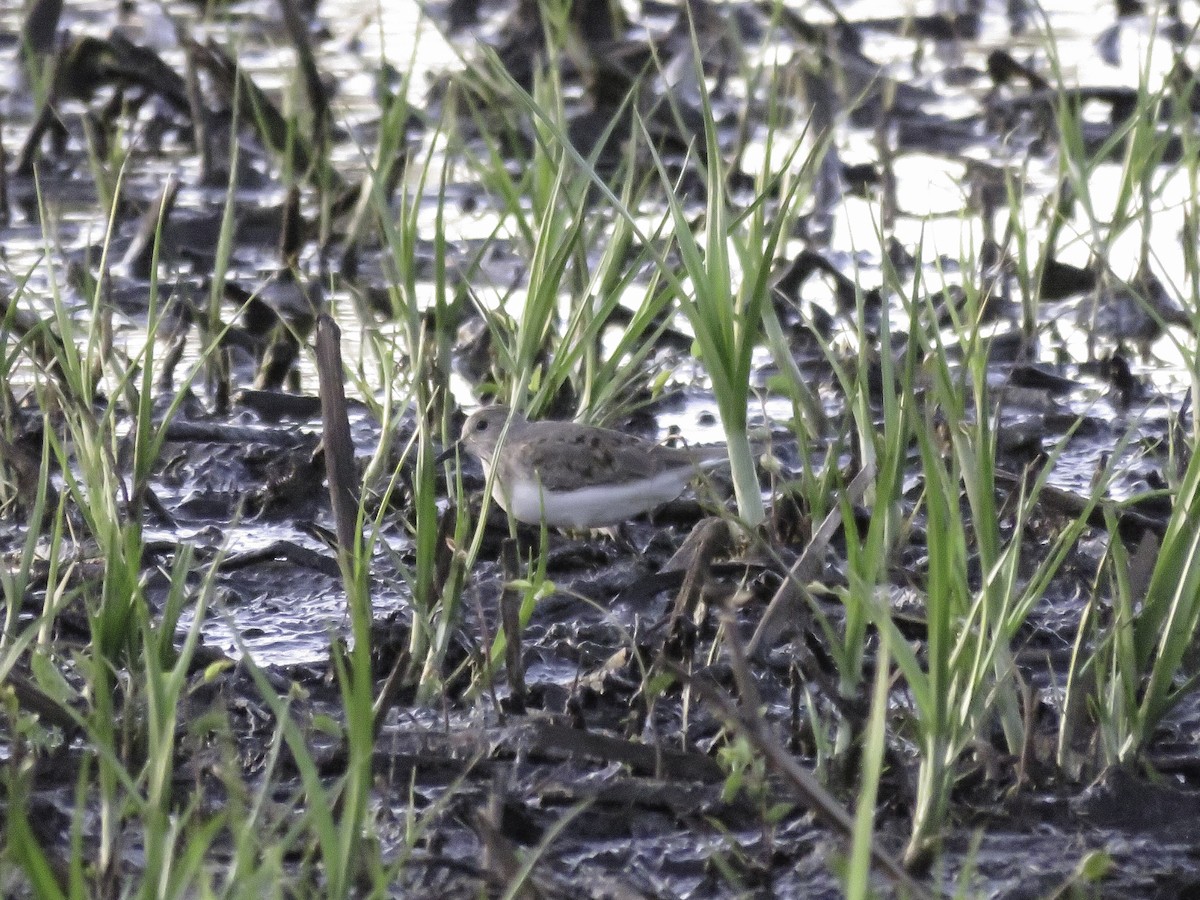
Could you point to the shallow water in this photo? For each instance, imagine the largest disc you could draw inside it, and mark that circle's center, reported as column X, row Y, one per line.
column 286, row 607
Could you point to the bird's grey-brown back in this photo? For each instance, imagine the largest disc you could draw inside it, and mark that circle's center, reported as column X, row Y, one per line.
column 570, row 454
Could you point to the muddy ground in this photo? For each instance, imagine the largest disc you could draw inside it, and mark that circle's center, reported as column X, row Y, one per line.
column 629, row 790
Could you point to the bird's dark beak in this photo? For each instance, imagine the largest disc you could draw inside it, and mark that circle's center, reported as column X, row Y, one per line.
column 448, row 454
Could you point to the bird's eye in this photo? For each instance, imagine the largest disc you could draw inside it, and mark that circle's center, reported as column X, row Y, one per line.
column 481, row 425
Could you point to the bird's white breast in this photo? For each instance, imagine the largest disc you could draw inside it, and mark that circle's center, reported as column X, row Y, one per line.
column 597, row 506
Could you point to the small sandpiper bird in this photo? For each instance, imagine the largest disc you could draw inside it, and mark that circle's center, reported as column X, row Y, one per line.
column 574, row 476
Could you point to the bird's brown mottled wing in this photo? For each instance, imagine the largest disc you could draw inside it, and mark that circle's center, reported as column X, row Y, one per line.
column 579, row 456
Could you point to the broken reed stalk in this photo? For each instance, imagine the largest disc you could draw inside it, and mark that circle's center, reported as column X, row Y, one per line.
column 709, row 539
column 350, row 809
column 5, row 214
column 510, row 614
column 746, row 719
column 790, row 596
column 339, row 449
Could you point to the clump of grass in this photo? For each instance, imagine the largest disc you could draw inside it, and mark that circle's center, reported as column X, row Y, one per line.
column 725, row 298
column 584, row 253
column 1139, row 666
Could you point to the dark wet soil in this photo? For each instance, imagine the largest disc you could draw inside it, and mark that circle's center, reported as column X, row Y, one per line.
column 628, row 791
